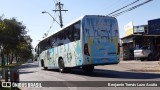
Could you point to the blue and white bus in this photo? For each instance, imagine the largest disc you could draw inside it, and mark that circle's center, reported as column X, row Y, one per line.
column 89, row 41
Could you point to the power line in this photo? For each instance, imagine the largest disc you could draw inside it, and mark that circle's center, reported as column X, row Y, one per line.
column 46, row 34
column 132, row 8
column 54, row 1
column 50, row 27
column 123, row 7
column 115, row 4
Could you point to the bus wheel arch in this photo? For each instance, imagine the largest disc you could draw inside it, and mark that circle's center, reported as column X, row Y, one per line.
column 61, row 65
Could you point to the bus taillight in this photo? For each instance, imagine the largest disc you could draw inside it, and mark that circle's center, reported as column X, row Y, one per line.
column 86, row 50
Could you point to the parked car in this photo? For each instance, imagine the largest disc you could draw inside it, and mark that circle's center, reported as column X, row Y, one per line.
column 142, row 53
column 128, row 55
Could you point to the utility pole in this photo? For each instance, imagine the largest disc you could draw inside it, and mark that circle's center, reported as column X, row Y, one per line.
column 59, row 5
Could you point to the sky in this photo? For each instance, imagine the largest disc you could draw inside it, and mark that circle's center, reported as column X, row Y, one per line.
column 29, row 12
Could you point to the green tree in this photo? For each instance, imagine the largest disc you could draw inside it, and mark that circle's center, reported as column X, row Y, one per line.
column 24, row 49
column 12, row 35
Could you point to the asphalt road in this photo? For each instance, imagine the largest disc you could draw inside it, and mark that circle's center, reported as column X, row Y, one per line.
column 124, row 71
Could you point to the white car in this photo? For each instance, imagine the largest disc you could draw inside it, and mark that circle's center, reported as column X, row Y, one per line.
column 142, row 53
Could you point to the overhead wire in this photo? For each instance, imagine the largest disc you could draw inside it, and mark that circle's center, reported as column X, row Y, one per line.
column 123, row 7
column 54, row 1
column 113, row 5
column 55, row 16
column 46, row 34
column 132, row 8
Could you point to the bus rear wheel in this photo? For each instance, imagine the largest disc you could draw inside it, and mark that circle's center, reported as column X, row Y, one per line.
column 61, row 65
column 88, row 68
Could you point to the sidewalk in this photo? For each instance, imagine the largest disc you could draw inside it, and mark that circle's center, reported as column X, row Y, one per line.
column 141, row 66
column 134, row 66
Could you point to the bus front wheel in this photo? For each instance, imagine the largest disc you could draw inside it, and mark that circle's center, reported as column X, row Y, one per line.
column 88, row 68
column 42, row 64
column 45, row 68
column 61, row 65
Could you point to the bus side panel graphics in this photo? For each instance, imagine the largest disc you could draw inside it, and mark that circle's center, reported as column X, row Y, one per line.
column 51, row 58
column 101, row 36
column 73, row 56
column 78, row 52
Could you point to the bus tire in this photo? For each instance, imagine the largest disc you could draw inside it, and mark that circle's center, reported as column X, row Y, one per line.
column 88, row 68
column 42, row 63
column 61, row 65
column 45, row 68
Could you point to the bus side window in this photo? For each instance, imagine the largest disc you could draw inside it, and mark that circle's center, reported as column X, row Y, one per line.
column 66, row 36
column 76, row 31
column 53, row 41
column 70, row 34
column 60, row 38
column 48, row 43
column 41, row 48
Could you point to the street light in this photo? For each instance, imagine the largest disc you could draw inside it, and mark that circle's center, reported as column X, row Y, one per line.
column 51, row 16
